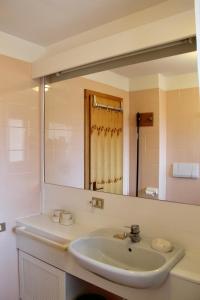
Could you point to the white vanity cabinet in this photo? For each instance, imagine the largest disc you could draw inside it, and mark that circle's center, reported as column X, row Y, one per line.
column 39, row 280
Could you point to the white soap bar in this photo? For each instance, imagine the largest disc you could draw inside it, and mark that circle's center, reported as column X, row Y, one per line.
column 161, row 245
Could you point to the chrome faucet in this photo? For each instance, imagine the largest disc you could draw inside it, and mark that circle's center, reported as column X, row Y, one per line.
column 134, row 234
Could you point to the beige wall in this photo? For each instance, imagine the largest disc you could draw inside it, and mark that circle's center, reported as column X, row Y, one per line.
column 175, row 137
column 183, row 142
column 197, row 21
column 162, row 144
column 19, row 161
column 144, row 101
column 156, row 218
column 64, row 151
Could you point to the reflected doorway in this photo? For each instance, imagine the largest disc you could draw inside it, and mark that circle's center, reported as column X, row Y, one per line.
column 103, row 142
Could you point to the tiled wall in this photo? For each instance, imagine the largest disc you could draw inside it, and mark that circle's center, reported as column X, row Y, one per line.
column 145, row 101
column 162, row 143
column 175, row 137
column 174, row 221
column 183, row 142
column 19, row 162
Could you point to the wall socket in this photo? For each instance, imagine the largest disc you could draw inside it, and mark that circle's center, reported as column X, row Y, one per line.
column 97, row 202
column 2, row 227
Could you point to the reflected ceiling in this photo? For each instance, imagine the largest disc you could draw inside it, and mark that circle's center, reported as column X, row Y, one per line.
column 174, row 65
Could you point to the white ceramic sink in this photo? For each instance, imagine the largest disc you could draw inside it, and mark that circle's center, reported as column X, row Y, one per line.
column 131, row 264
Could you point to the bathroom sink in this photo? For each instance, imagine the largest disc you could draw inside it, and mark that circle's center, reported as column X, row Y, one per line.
column 131, row 264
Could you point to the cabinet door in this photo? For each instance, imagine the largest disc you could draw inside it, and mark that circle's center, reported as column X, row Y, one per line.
column 40, row 281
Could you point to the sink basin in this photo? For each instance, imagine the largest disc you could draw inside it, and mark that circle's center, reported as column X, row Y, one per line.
column 131, row 264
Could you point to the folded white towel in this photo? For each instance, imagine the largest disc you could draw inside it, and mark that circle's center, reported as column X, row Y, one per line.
column 153, row 191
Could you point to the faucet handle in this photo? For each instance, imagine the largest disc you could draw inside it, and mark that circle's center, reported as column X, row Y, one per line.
column 135, row 233
column 135, row 228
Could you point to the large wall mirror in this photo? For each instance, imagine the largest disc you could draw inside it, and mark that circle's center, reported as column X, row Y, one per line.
column 131, row 130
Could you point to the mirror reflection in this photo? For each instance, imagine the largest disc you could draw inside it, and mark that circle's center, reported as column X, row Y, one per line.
column 134, row 130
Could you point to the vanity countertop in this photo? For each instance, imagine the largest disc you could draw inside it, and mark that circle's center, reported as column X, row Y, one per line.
column 44, row 224
column 188, row 268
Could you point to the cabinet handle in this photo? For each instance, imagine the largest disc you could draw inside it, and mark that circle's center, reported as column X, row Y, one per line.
column 23, row 230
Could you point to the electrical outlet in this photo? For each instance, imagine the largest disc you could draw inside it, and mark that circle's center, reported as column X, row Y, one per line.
column 2, row 227
column 97, row 202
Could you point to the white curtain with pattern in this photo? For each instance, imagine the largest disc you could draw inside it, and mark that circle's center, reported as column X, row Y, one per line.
column 106, row 148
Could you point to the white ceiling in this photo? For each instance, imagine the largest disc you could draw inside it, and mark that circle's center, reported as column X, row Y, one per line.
column 45, row 22
column 168, row 66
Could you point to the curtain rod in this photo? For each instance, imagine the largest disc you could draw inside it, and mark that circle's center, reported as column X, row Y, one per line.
column 107, row 107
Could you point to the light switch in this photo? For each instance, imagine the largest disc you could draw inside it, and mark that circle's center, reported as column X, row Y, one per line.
column 186, row 170
column 2, row 227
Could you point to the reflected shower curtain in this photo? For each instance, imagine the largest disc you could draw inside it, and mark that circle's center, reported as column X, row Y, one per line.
column 106, row 147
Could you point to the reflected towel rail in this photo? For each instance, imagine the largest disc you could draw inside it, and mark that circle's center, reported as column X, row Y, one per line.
column 107, row 107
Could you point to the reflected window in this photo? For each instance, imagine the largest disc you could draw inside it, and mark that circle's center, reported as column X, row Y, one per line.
column 16, row 140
